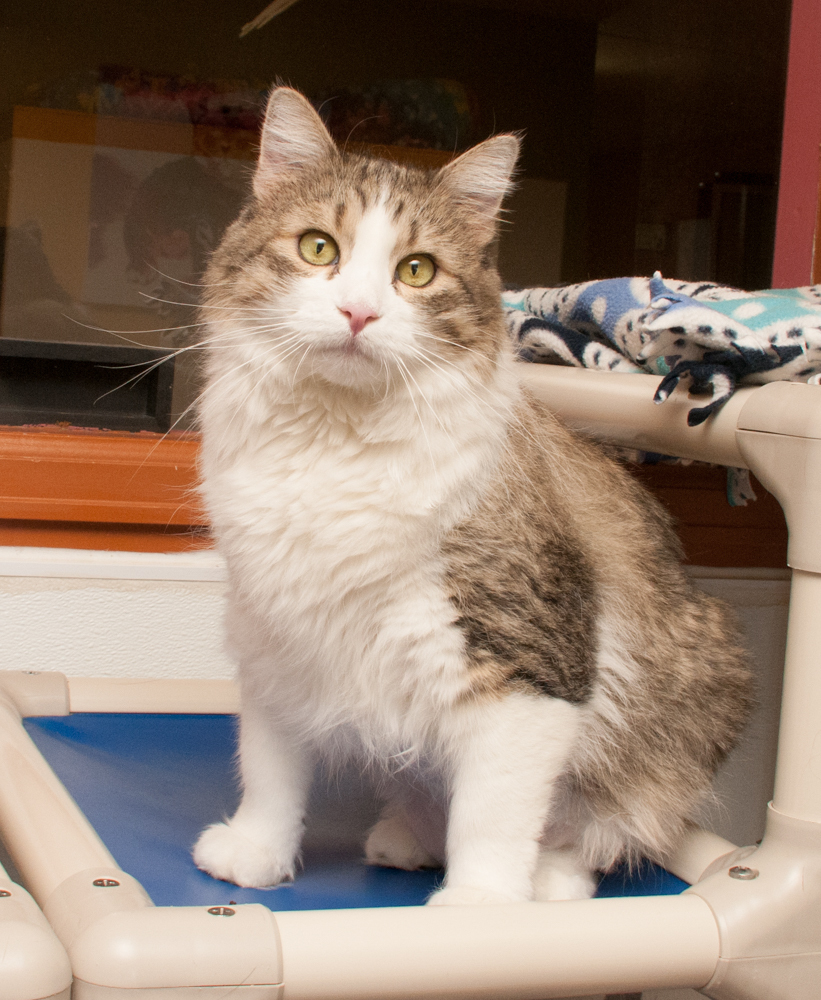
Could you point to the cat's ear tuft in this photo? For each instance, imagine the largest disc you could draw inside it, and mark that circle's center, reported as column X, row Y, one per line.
column 482, row 176
column 293, row 136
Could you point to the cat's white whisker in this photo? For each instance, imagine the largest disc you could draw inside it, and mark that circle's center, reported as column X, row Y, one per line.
column 233, row 310
column 388, row 381
column 161, row 329
column 305, row 354
column 191, row 406
column 191, row 284
column 455, row 380
column 425, row 399
column 452, row 343
column 468, row 392
column 134, row 380
column 406, row 375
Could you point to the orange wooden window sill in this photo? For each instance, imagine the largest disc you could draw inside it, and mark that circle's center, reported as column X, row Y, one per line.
column 78, row 488
column 712, row 532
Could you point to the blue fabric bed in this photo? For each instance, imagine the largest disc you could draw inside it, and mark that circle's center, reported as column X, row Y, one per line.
column 713, row 336
column 149, row 783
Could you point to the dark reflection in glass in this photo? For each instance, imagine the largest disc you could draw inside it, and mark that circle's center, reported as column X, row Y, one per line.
column 652, row 139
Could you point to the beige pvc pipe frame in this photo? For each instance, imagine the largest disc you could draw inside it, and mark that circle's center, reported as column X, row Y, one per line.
column 749, row 928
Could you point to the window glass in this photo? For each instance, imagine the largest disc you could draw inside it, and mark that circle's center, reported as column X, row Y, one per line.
column 128, row 134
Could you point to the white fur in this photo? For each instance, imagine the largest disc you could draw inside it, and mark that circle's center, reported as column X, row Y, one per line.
column 259, row 845
column 330, row 501
column 393, row 843
column 506, row 756
column 562, row 874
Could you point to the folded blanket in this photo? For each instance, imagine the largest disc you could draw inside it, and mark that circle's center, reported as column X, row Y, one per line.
column 713, row 335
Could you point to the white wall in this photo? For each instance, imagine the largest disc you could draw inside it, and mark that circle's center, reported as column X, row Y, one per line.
column 112, row 614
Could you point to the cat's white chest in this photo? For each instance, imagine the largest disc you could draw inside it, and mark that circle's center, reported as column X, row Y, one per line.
column 329, row 493
column 334, row 542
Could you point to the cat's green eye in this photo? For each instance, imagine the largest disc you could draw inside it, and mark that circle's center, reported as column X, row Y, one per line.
column 416, row 270
column 318, row 248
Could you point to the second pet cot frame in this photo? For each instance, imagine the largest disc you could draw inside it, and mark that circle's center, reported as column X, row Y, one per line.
column 749, row 928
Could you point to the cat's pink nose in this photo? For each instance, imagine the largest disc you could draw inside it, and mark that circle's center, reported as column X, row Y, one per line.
column 358, row 316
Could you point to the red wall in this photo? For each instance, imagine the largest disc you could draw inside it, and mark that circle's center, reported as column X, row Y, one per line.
column 799, row 176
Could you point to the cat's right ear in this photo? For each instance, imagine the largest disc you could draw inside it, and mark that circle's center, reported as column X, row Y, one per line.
column 293, row 136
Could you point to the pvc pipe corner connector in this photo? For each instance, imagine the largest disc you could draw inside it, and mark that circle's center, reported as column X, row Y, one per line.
column 33, row 963
column 779, row 435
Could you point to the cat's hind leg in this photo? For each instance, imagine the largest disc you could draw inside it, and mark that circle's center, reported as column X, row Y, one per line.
column 392, row 842
column 259, row 845
column 410, row 831
column 507, row 755
column 562, row 874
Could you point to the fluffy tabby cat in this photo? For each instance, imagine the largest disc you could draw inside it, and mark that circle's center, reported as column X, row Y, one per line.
column 427, row 570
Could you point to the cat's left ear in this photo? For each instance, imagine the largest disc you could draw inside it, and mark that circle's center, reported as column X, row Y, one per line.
column 293, row 137
column 481, row 177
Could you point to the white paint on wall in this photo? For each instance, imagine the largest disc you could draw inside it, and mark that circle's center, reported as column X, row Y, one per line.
column 92, row 564
column 113, row 628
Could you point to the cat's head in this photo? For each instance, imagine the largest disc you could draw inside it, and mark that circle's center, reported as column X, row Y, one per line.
column 361, row 272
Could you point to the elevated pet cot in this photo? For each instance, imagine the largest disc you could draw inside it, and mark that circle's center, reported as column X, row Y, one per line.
column 748, row 928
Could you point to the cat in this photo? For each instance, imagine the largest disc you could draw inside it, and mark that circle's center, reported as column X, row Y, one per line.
column 427, row 571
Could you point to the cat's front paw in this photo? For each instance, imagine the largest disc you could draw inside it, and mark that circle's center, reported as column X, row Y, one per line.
column 225, row 853
column 392, row 844
column 467, row 895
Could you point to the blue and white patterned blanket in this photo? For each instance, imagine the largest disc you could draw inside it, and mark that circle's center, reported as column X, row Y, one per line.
column 713, row 335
